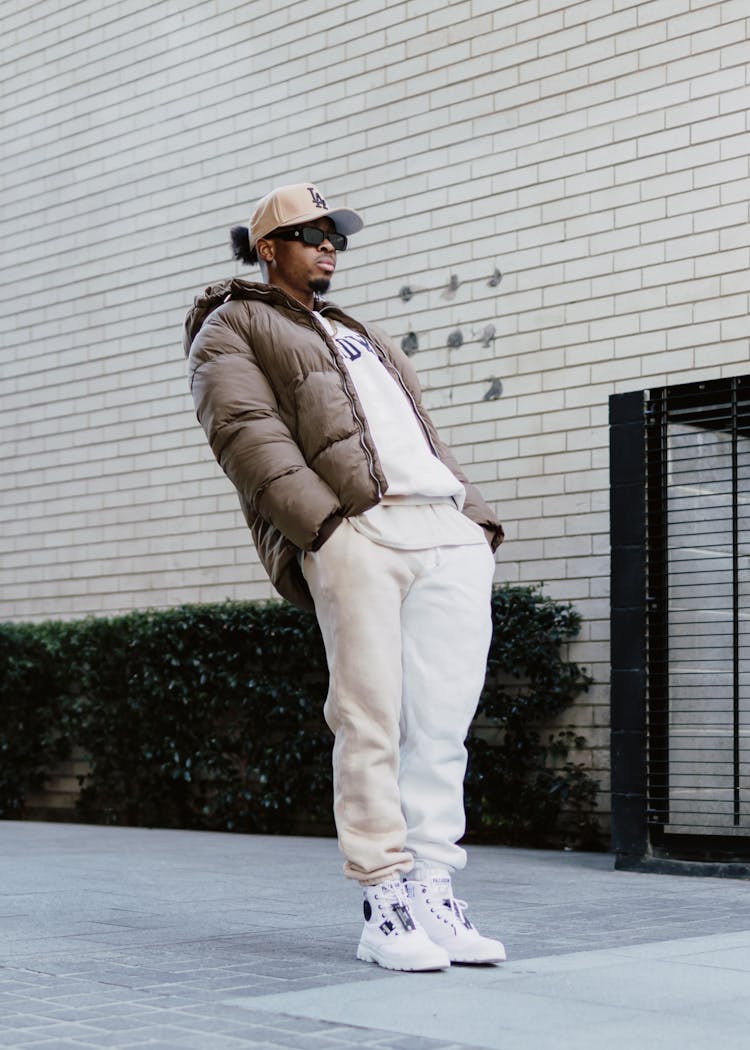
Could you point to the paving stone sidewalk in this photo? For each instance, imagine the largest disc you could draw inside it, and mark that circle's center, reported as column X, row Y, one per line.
column 127, row 937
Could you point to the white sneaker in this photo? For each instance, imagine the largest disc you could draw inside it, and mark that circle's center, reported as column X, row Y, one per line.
column 391, row 938
column 444, row 920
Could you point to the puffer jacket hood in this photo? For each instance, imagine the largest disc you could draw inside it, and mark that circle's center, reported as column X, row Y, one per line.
column 216, row 294
column 203, row 305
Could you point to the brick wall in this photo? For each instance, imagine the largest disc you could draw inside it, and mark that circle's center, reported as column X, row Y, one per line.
column 594, row 154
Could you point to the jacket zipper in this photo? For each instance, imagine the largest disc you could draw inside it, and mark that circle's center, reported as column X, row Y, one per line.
column 360, row 423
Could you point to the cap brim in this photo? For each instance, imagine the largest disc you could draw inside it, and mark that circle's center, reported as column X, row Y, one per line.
column 345, row 220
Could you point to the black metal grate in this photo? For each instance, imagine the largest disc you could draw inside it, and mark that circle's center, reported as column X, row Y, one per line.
column 698, row 608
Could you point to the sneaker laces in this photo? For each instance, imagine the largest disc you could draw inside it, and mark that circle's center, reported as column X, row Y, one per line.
column 394, row 894
column 458, row 907
column 443, row 891
column 392, row 890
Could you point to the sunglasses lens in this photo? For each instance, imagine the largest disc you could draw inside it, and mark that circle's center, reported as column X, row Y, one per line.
column 314, row 236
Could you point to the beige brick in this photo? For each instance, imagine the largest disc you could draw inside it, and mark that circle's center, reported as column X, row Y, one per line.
column 735, row 328
column 735, row 355
column 727, row 306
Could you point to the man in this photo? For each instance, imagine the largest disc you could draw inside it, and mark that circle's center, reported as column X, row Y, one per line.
column 359, row 510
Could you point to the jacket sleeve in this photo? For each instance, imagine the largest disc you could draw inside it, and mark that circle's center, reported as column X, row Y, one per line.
column 475, row 506
column 238, row 410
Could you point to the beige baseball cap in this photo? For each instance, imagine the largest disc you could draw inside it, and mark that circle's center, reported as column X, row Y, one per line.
column 302, row 202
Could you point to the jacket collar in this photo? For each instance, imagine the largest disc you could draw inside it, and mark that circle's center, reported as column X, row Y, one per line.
column 238, row 288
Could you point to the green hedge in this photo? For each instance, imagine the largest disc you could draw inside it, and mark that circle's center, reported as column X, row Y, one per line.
column 522, row 785
column 211, row 717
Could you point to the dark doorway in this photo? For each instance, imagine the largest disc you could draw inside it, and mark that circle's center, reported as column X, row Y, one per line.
column 680, row 530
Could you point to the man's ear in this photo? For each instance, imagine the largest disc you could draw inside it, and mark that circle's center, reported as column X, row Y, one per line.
column 265, row 249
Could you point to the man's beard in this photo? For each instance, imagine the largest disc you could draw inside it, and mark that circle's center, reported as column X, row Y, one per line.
column 320, row 285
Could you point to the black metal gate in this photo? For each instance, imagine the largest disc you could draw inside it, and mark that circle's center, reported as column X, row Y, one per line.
column 681, row 625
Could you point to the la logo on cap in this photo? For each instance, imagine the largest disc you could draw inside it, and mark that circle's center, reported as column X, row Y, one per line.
column 318, row 201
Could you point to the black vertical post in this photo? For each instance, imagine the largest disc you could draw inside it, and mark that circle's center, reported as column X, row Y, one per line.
column 736, row 778
column 628, row 627
column 657, row 609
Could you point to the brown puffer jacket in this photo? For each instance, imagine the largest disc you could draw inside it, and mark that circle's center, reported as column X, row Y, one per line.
column 284, row 422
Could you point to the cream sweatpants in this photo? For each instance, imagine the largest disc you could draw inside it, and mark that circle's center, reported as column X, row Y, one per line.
column 406, row 634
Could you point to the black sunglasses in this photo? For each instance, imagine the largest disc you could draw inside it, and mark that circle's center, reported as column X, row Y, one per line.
column 312, row 235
